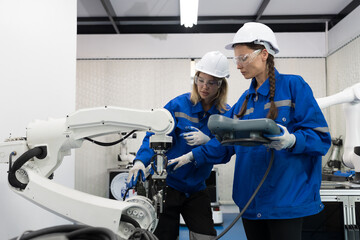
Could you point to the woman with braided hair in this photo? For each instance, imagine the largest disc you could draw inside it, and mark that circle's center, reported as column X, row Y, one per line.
column 185, row 192
column 291, row 190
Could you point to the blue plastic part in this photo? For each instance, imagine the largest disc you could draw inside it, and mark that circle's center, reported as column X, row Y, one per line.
column 344, row 174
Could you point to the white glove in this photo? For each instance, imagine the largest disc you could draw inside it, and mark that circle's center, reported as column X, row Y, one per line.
column 181, row 161
column 196, row 137
column 134, row 173
column 282, row 141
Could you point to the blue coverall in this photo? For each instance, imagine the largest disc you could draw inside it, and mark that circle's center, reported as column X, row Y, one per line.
column 292, row 188
column 186, row 194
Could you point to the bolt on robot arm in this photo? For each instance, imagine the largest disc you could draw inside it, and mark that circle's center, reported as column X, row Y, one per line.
column 350, row 98
column 38, row 155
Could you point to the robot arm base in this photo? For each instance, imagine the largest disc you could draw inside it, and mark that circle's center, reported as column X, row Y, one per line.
column 356, row 178
column 356, row 155
column 352, row 160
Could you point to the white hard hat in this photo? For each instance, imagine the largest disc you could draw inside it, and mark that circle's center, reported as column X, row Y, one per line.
column 258, row 33
column 214, row 63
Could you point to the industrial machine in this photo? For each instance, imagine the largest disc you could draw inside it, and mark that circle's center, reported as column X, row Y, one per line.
column 34, row 158
column 350, row 98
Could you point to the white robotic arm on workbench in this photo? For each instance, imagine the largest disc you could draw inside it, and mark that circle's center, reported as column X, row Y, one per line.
column 350, row 98
column 32, row 160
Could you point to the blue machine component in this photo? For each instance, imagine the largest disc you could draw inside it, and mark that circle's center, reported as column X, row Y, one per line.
column 348, row 173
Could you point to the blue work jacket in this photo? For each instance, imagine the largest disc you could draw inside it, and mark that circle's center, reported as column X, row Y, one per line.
column 188, row 178
column 292, row 188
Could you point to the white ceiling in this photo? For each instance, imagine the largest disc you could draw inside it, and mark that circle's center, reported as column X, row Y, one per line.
column 215, row 16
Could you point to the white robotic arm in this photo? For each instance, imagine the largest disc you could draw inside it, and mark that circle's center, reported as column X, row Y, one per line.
column 47, row 142
column 348, row 95
column 350, row 98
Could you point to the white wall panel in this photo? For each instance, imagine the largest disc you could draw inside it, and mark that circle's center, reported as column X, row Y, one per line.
column 345, row 31
column 312, row 71
column 343, row 70
column 37, row 72
column 140, row 84
column 188, row 45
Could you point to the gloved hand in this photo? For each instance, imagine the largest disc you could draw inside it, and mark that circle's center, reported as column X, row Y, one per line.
column 282, row 141
column 181, row 161
column 134, row 173
column 196, row 137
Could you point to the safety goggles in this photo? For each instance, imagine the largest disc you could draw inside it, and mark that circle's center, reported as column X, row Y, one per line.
column 210, row 83
column 247, row 58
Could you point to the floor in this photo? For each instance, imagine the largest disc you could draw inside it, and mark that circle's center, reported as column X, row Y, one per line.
column 236, row 232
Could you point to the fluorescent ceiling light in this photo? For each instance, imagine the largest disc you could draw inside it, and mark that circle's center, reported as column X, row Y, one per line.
column 189, row 12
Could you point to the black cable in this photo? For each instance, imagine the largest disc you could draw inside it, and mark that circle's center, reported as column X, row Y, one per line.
column 10, row 160
column 126, row 192
column 142, row 234
column 251, row 198
column 39, row 152
column 130, row 220
column 152, row 160
column 49, row 230
column 85, row 233
column 357, row 150
column 110, row 143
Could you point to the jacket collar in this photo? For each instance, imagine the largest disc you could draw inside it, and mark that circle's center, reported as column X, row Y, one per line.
column 199, row 109
column 264, row 88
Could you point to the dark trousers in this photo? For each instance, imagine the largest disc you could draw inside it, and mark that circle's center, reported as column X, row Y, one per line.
column 195, row 209
column 273, row 229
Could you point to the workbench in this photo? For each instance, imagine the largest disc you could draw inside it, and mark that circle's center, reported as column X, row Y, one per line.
column 340, row 218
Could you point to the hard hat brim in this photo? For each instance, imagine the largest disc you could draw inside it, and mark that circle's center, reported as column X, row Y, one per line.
column 229, row 46
column 212, row 74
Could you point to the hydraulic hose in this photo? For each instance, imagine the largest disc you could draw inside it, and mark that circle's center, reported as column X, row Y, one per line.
column 39, row 152
column 251, row 198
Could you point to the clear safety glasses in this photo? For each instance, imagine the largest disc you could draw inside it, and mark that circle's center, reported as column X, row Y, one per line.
column 210, row 83
column 247, row 58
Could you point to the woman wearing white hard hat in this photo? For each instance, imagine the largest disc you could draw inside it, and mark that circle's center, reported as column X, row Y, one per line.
column 186, row 192
column 291, row 190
